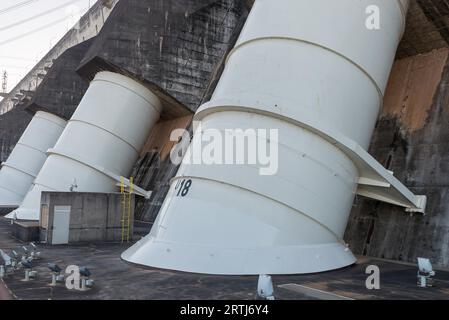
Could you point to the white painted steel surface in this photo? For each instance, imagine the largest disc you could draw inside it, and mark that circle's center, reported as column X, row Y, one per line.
column 101, row 142
column 312, row 70
column 27, row 158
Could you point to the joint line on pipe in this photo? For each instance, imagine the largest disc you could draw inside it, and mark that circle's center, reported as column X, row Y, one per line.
column 49, row 120
column 99, row 169
column 105, row 130
column 240, row 45
column 151, row 103
column 9, row 190
column 30, row 147
column 6, row 164
column 265, row 196
column 349, row 147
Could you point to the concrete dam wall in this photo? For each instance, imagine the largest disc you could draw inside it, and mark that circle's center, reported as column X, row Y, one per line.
column 411, row 139
column 178, row 49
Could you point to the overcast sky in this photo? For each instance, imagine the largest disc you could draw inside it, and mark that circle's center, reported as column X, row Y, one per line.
column 19, row 54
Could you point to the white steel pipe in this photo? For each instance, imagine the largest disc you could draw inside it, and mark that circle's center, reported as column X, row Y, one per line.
column 101, row 142
column 27, row 158
column 316, row 73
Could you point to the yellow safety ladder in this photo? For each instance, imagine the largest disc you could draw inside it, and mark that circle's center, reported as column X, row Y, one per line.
column 126, row 208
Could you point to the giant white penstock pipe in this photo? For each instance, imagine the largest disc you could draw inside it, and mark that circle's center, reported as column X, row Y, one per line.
column 27, row 158
column 101, row 142
column 312, row 70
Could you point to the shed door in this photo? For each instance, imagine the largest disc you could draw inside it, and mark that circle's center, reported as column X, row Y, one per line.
column 61, row 225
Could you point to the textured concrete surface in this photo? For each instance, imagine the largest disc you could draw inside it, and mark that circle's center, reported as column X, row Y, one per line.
column 411, row 139
column 12, row 126
column 176, row 47
column 26, row 230
column 413, row 84
column 94, row 217
column 62, row 88
column 154, row 169
column 427, row 27
column 4, row 292
column 116, row 279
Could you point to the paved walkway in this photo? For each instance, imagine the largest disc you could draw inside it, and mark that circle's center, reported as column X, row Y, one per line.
column 4, row 292
column 116, row 279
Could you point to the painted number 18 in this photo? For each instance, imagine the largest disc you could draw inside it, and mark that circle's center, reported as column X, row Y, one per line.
column 183, row 187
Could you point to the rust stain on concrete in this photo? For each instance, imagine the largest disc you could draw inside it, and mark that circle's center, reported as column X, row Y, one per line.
column 412, row 87
column 159, row 138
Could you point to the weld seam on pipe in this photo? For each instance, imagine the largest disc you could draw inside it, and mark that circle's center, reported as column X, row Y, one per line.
column 31, row 147
column 157, row 108
column 283, row 38
column 50, row 120
column 328, row 136
column 9, row 190
column 104, row 171
column 32, row 175
column 322, row 164
column 95, row 167
column 107, row 131
column 264, row 196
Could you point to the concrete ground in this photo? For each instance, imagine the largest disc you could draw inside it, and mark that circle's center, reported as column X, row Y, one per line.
column 116, row 279
column 4, row 292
